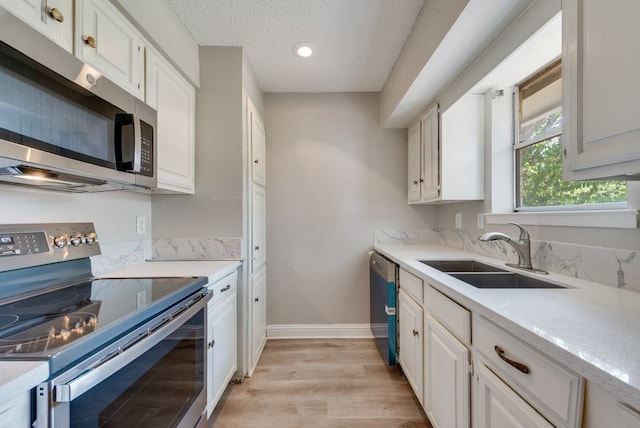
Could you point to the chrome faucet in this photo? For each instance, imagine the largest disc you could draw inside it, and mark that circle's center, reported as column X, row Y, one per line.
column 522, row 247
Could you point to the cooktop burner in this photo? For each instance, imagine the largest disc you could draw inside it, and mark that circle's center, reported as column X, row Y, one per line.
column 43, row 323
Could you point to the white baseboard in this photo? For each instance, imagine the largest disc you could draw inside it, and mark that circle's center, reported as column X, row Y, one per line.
column 319, row 331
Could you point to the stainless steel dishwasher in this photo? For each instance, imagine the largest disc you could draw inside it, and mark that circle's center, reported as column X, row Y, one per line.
column 383, row 275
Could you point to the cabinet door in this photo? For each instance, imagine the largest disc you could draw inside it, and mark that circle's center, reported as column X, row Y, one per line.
column 498, row 406
column 174, row 99
column 414, row 177
column 258, row 315
column 627, row 417
column 446, row 377
column 602, row 98
column 224, row 335
column 411, row 342
column 108, row 42
column 258, row 227
column 430, row 187
column 53, row 18
column 16, row 412
column 257, row 138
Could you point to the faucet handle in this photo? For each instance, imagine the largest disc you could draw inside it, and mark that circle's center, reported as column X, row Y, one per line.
column 523, row 232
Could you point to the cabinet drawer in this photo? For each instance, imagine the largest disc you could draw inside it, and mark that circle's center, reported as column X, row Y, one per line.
column 223, row 287
column 412, row 285
column 556, row 391
column 453, row 316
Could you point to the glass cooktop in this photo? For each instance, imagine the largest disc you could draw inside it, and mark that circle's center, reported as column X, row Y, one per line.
column 46, row 323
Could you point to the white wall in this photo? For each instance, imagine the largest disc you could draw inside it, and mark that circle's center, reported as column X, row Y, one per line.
column 216, row 208
column 113, row 213
column 333, row 176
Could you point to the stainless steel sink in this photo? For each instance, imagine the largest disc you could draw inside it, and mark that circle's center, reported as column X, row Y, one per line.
column 461, row 266
column 503, row 280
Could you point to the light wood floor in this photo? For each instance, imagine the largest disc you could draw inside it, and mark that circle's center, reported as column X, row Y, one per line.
column 320, row 383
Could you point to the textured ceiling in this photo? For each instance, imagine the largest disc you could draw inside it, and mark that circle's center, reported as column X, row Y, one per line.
column 356, row 42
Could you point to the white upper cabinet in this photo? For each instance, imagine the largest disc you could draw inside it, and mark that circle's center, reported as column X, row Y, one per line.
column 174, row 99
column 446, row 153
column 107, row 41
column 602, row 98
column 53, row 18
column 258, row 140
column 424, row 141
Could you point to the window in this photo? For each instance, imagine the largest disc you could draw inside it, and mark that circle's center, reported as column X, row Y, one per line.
column 538, row 152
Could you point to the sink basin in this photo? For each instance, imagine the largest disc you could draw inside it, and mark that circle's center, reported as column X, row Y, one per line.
column 503, row 280
column 461, row 266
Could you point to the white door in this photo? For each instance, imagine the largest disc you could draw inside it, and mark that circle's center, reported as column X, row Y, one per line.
column 258, row 141
column 602, row 97
column 53, row 18
column 259, row 227
column 174, row 99
column 225, row 347
column 107, row 41
column 498, row 406
column 258, row 315
column 430, row 188
column 414, row 177
column 411, row 342
column 446, row 377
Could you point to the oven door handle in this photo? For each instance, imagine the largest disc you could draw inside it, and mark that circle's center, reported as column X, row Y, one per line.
column 68, row 391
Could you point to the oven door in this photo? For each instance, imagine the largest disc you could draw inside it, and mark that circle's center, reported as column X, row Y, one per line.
column 154, row 379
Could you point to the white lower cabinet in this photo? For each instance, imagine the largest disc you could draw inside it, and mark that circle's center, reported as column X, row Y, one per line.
column 602, row 409
column 16, row 413
column 221, row 338
column 498, row 406
column 555, row 392
column 446, row 377
column 258, row 315
column 410, row 322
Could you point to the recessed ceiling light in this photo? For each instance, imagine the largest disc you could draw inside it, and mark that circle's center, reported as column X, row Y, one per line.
column 303, row 50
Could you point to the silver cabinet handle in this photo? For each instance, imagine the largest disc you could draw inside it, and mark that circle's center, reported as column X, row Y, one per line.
column 227, row 288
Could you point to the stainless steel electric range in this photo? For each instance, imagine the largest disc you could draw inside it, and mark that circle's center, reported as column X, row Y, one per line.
column 119, row 350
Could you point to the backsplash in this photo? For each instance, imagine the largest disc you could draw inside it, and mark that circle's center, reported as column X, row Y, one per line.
column 609, row 266
column 197, row 249
column 405, row 236
column 116, row 256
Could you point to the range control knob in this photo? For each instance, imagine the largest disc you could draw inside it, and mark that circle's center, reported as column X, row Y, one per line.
column 90, row 238
column 61, row 241
column 76, row 239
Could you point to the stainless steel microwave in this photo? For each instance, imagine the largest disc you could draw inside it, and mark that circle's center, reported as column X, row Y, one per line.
column 63, row 126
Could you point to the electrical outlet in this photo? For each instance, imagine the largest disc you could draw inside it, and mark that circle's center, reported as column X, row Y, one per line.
column 141, row 225
column 480, row 221
column 458, row 220
column 141, row 299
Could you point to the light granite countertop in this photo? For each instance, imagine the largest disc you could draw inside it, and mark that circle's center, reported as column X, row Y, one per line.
column 590, row 328
column 17, row 377
column 214, row 270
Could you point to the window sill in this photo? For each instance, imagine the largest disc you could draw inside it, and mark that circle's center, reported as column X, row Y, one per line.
column 614, row 219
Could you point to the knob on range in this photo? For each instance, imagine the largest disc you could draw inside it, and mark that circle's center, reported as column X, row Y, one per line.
column 76, row 239
column 61, row 241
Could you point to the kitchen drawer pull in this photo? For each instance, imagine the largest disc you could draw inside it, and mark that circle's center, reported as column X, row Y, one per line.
column 227, row 288
column 519, row 366
column 415, row 332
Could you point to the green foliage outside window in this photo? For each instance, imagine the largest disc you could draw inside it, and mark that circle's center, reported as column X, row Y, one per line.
column 540, row 181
